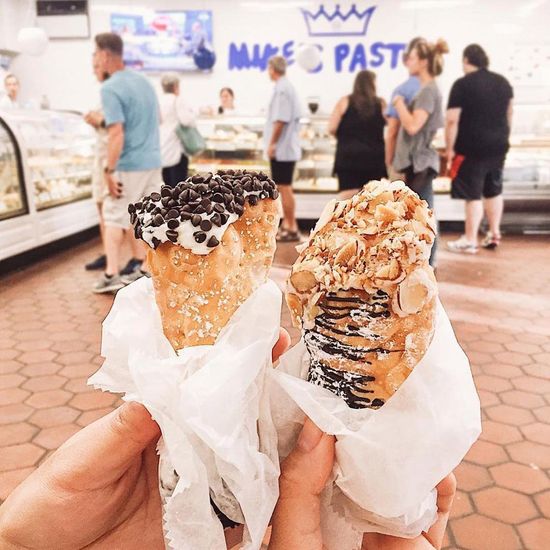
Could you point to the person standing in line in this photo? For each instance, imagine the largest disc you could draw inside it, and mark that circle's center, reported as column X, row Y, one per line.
column 407, row 90
column 173, row 112
column 282, row 143
column 415, row 155
column 133, row 154
column 99, row 189
column 479, row 116
column 358, row 124
column 11, row 85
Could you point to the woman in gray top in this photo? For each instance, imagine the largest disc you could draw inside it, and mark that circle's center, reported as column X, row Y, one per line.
column 414, row 154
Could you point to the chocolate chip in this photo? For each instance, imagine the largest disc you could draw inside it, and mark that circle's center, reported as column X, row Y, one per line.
column 239, row 199
column 377, row 402
column 219, row 208
column 172, row 203
column 173, row 213
column 197, row 179
column 208, row 177
column 131, row 208
column 186, row 208
column 210, row 208
column 253, row 200
column 133, row 218
column 230, row 207
column 173, row 223
column 185, row 216
column 227, row 198
column 184, row 197
column 217, row 197
column 155, row 242
column 274, row 194
column 155, row 196
column 239, row 210
column 138, row 205
column 264, row 194
column 158, row 220
column 172, row 235
column 224, row 218
column 193, row 195
column 165, row 191
column 216, row 219
column 165, row 200
column 200, row 237
column 202, row 188
column 206, row 225
column 199, row 209
column 248, row 186
column 257, row 185
column 196, row 220
column 205, row 202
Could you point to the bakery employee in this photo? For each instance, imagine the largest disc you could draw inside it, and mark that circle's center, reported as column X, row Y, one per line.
column 227, row 102
column 11, row 85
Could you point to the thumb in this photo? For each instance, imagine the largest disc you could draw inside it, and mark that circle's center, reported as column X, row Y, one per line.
column 307, row 469
column 106, row 447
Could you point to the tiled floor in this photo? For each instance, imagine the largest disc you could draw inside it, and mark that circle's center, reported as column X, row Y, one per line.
column 499, row 303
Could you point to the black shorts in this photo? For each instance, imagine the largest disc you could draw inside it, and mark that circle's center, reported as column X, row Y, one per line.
column 282, row 171
column 478, row 178
column 355, row 179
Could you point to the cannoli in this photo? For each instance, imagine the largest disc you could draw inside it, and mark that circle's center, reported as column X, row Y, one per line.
column 212, row 241
column 363, row 293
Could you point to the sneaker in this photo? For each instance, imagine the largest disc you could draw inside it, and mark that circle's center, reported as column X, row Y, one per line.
column 134, row 276
column 99, row 263
column 288, row 236
column 462, row 246
column 108, row 284
column 490, row 241
column 132, row 265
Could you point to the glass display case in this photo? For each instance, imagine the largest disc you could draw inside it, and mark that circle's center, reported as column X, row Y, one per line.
column 237, row 142
column 13, row 200
column 59, row 150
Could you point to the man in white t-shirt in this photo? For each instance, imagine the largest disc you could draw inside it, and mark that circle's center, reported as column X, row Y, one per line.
column 173, row 112
column 11, row 85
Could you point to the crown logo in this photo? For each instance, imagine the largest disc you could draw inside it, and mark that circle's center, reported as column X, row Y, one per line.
column 352, row 23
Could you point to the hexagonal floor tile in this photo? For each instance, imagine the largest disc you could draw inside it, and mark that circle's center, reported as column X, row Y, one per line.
column 471, row 477
column 504, row 505
column 54, row 416
column 461, row 505
column 519, row 477
column 49, row 398
column 536, row 534
column 11, row 381
column 538, row 432
column 497, row 432
column 481, row 533
column 509, row 415
column 522, row 399
column 529, row 453
column 13, row 434
column 42, row 383
column 93, row 400
column 11, row 396
column 486, row 454
column 19, row 456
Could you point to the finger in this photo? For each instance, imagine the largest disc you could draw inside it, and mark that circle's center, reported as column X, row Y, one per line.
column 446, row 490
column 283, row 343
column 102, row 451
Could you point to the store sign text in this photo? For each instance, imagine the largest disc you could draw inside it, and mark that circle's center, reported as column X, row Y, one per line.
column 346, row 57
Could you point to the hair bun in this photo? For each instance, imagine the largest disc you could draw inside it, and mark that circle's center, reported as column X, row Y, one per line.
column 441, row 46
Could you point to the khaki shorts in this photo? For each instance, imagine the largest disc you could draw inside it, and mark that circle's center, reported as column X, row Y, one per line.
column 135, row 185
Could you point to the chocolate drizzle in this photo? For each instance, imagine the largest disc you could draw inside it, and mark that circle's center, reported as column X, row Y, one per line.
column 323, row 339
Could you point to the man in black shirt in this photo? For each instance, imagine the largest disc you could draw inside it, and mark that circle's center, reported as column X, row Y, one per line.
column 477, row 129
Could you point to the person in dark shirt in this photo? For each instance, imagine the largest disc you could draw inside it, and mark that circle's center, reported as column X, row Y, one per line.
column 477, row 129
column 358, row 124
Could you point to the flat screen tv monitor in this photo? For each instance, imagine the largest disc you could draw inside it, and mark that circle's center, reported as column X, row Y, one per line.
column 157, row 41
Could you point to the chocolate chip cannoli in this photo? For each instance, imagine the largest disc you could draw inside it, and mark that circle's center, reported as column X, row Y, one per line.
column 363, row 293
column 212, row 241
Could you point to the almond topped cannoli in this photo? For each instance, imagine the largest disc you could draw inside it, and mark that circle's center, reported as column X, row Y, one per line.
column 363, row 293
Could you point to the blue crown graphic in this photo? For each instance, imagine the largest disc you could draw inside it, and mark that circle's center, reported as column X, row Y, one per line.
column 353, row 23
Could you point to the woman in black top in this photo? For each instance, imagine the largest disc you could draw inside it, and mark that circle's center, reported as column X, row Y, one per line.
column 358, row 124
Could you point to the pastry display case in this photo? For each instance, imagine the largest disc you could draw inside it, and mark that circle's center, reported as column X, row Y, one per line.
column 46, row 163
column 13, row 200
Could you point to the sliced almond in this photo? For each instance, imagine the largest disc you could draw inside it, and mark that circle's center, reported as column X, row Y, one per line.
column 303, row 281
column 346, row 253
column 294, row 304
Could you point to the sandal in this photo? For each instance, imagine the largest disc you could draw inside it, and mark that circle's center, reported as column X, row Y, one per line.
column 490, row 241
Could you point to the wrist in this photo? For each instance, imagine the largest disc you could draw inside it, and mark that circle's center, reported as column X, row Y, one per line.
column 108, row 171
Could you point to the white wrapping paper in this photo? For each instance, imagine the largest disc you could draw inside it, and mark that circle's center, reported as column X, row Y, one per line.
column 388, row 461
column 209, row 402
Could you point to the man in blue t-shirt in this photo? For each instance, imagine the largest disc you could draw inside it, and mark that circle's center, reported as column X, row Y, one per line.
column 407, row 90
column 133, row 167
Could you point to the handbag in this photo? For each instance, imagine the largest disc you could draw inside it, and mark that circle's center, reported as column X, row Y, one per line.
column 191, row 140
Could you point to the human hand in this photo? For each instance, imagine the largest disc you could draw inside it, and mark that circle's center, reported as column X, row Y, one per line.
column 297, row 517
column 449, row 156
column 114, row 186
column 272, row 151
column 98, row 490
column 94, row 118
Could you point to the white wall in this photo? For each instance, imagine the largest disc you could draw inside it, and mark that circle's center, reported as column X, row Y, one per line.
column 64, row 73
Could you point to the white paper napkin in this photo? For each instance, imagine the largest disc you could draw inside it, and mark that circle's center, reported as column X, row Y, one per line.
column 388, row 461
column 209, row 402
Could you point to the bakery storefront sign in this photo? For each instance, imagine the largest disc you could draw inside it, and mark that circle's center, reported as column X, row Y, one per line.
column 351, row 54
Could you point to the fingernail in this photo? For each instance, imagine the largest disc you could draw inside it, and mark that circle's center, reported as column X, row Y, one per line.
column 309, row 436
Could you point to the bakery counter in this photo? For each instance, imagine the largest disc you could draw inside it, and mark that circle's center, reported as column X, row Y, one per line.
column 46, row 164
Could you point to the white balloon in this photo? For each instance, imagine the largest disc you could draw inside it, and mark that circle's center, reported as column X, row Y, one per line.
column 308, row 57
column 32, row 40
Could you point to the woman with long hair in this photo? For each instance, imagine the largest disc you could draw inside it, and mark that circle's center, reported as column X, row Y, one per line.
column 358, row 124
column 414, row 154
